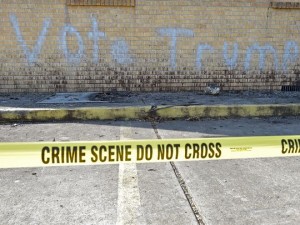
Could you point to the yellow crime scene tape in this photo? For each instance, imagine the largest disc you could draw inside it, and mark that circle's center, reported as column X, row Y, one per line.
column 41, row 154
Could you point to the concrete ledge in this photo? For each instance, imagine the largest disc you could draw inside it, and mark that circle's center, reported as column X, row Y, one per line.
column 126, row 113
column 284, row 5
column 219, row 111
column 148, row 112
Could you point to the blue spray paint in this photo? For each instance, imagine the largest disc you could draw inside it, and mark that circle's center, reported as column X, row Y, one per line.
column 31, row 56
column 72, row 58
column 291, row 53
column 231, row 62
column 200, row 49
column 95, row 35
column 173, row 33
column 120, row 52
column 262, row 55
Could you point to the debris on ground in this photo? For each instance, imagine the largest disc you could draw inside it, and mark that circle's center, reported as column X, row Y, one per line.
column 212, row 89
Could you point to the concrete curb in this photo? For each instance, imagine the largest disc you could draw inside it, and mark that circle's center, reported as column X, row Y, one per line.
column 148, row 112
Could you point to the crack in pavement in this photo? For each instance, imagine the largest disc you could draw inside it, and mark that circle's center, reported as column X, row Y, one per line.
column 182, row 184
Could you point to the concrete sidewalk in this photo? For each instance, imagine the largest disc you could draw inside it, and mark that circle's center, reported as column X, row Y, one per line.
column 225, row 192
column 145, row 106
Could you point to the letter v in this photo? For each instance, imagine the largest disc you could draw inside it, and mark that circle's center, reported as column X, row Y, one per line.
column 31, row 56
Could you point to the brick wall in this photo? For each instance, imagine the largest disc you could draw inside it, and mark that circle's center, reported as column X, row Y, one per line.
column 148, row 45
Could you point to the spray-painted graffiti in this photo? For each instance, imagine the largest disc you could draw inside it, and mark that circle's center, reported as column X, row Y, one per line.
column 31, row 56
column 201, row 48
column 262, row 55
column 121, row 54
column 120, row 48
column 231, row 62
column 291, row 52
column 95, row 35
column 173, row 33
column 71, row 57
